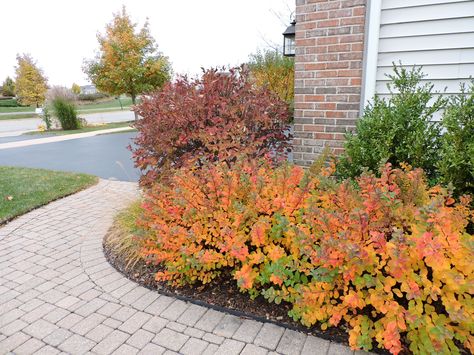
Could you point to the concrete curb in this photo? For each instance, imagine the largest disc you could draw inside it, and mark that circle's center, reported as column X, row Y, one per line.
column 55, row 139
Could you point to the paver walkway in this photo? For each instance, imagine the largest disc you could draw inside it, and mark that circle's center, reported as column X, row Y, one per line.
column 58, row 294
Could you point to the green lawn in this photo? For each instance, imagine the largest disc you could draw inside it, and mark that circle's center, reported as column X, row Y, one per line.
column 14, row 117
column 81, row 130
column 17, row 109
column 23, row 189
column 82, row 107
column 5, row 106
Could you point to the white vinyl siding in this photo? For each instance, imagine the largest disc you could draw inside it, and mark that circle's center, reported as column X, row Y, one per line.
column 435, row 34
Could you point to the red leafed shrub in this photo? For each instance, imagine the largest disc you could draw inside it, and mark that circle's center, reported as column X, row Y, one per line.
column 213, row 118
column 387, row 256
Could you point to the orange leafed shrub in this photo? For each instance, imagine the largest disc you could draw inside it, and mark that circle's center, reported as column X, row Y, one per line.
column 388, row 256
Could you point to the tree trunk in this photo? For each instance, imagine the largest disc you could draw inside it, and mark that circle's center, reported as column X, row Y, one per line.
column 133, row 103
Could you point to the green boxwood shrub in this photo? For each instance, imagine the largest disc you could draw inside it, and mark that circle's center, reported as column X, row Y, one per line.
column 457, row 154
column 396, row 130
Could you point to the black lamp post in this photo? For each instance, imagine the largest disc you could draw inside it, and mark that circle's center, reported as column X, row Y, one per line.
column 289, row 40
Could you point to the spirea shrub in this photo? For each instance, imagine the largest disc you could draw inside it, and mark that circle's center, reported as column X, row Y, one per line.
column 387, row 256
column 210, row 119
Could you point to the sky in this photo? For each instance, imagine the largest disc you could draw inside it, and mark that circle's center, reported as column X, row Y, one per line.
column 60, row 34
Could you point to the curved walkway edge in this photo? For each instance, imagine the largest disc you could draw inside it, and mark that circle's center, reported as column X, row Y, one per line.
column 58, row 294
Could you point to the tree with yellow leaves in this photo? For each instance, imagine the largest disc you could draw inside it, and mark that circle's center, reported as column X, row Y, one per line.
column 30, row 82
column 8, row 87
column 128, row 61
column 76, row 89
column 270, row 69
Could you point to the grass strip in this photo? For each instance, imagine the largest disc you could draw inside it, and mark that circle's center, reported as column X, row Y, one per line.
column 24, row 189
column 90, row 128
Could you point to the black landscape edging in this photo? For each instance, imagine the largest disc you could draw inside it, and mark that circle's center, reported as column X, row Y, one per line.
column 232, row 311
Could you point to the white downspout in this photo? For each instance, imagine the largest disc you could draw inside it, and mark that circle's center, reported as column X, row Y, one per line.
column 372, row 31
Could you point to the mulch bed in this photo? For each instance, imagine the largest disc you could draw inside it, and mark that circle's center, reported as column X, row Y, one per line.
column 223, row 294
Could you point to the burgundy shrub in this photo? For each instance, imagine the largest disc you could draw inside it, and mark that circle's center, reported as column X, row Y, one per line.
column 217, row 117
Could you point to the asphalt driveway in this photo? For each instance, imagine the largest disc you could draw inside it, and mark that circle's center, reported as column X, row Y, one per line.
column 106, row 156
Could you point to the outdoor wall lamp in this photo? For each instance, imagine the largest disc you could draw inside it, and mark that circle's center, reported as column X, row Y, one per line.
column 289, row 40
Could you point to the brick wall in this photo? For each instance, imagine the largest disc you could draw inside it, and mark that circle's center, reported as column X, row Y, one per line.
column 328, row 74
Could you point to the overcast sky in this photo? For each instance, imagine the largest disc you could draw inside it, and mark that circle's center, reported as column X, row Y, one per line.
column 193, row 34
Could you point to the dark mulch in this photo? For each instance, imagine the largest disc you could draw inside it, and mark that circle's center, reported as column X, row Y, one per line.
column 223, row 294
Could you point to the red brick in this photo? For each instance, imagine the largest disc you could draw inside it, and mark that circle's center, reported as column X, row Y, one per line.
column 336, row 114
column 319, row 15
column 337, row 65
column 315, row 66
column 358, row 11
column 305, row 42
column 328, row 23
column 353, row 98
column 307, row 9
column 351, row 56
column 352, row 21
column 351, row 38
column 306, row 26
column 338, row 30
column 358, row 29
column 314, row 98
column 356, row 81
column 313, row 113
column 330, row 57
column 325, row 106
column 303, row 105
column 315, row 82
column 349, row 73
column 313, row 128
column 357, row 47
column 338, row 82
column 327, row 40
column 329, row 5
column 323, row 136
column 320, row 50
column 350, row 3
column 337, row 98
column 328, row 73
column 306, row 58
column 339, row 48
column 340, row 13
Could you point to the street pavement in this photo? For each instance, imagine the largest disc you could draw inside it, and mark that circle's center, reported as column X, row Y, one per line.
column 31, row 124
column 58, row 138
column 23, row 137
column 106, row 156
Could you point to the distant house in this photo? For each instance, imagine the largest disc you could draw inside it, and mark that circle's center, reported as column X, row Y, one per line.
column 344, row 48
column 88, row 90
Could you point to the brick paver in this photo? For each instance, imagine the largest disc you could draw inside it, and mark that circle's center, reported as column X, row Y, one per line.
column 59, row 294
